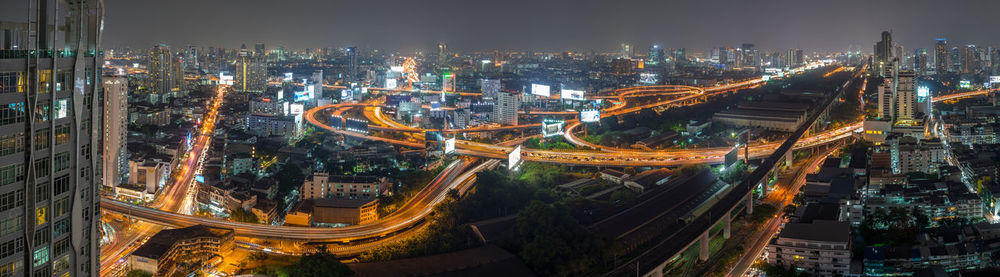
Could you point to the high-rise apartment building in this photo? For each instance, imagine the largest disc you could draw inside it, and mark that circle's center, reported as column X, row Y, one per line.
column 941, row 57
column 251, row 71
column 505, row 109
column 114, row 121
column 906, row 96
column 166, row 75
column 51, row 139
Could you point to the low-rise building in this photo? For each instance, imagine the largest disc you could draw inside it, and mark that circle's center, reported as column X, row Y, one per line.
column 614, row 176
column 820, row 248
column 173, row 249
column 323, row 185
column 336, row 212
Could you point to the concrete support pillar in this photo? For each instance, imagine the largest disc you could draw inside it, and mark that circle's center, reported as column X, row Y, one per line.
column 749, row 207
column 727, row 230
column 703, row 248
column 789, row 157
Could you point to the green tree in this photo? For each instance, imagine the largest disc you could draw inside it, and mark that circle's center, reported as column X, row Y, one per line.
column 138, row 273
column 241, row 215
column 553, row 243
column 319, row 263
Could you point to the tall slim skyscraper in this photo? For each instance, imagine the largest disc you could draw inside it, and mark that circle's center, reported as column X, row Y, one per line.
column 883, row 53
column 251, row 72
column 166, row 74
column 52, row 140
column 114, row 121
column 941, row 58
column 920, row 61
column 352, row 59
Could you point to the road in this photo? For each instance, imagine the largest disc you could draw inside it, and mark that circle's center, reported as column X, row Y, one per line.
column 780, row 197
column 177, row 197
column 456, row 175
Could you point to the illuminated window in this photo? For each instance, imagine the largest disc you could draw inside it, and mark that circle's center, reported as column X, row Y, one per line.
column 41, row 256
column 41, row 215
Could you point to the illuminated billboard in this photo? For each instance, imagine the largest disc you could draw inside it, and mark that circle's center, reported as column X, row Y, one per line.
column 390, row 83
column 994, row 79
column 965, row 84
column 514, row 158
column 288, row 77
column 923, row 91
column 449, row 146
column 295, row 109
column 649, row 78
column 572, row 94
column 552, row 128
column 540, row 90
column 301, row 95
column 590, row 116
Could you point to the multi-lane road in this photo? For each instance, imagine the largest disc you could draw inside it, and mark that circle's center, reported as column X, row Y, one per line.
column 175, row 198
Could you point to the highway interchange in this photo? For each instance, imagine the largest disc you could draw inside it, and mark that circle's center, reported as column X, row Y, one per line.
column 173, row 206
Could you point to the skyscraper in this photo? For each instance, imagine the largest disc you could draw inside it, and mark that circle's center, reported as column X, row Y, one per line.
column 626, row 51
column 883, row 53
column 52, row 140
column 251, row 72
column 970, row 59
column 941, row 58
column 352, row 59
column 166, row 74
column 258, row 49
column 115, row 117
column 442, row 53
column 920, row 61
column 505, row 109
column 655, row 55
column 956, row 59
column 906, row 96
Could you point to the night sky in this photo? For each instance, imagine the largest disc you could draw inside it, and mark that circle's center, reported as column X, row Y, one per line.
column 557, row 25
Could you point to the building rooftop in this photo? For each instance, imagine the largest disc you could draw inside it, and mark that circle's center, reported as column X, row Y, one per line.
column 160, row 243
column 818, row 230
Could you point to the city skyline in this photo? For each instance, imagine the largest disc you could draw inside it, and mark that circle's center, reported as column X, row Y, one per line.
column 546, row 26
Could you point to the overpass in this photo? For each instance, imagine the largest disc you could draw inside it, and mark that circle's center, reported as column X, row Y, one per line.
column 457, row 175
column 694, row 228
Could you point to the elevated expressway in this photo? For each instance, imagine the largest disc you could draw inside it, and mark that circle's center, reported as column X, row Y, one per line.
column 458, row 175
column 678, row 235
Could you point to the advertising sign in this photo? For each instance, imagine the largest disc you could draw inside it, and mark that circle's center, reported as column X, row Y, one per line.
column 572, row 94
column 514, row 158
column 552, row 128
column 540, row 90
column 449, row 146
column 590, row 116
